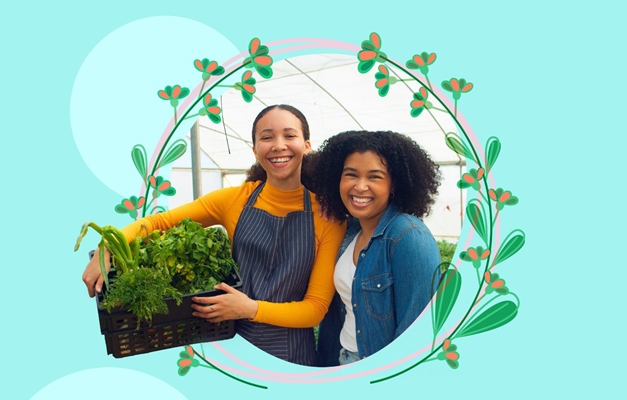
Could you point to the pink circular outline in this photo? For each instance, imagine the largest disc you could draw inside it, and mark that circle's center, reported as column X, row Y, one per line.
column 302, row 377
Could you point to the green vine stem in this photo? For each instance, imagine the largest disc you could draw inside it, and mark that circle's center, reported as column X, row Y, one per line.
column 477, row 160
column 226, row 373
column 178, row 123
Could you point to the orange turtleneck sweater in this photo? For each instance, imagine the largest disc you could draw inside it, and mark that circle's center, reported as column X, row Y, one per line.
column 224, row 206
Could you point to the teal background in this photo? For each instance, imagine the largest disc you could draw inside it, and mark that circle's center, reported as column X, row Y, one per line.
column 548, row 82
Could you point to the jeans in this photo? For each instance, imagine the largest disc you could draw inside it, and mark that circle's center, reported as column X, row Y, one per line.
column 347, row 357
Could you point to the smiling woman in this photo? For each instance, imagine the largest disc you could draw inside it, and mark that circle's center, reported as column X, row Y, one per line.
column 384, row 183
column 283, row 246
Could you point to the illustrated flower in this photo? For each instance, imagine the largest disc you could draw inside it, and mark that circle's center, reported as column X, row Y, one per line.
column 457, row 87
column 421, row 62
column 208, row 68
column 259, row 58
column 187, row 361
column 370, row 53
column 503, row 198
column 475, row 255
column 173, row 93
column 419, row 102
column 247, row 86
column 211, row 109
column 450, row 354
column 130, row 206
column 161, row 186
column 383, row 80
column 495, row 284
column 471, row 179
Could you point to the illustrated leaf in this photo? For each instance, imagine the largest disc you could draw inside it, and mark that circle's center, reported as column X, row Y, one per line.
column 265, row 72
column 477, row 219
column 493, row 147
column 215, row 118
column 496, row 316
column 411, row 64
column 218, row 71
column 175, row 151
column 446, row 296
column 453, row 142
column 512, row 243
column 140, row 159
column 365, row 66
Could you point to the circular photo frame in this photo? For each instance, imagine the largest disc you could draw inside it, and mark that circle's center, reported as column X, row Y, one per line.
column 400, row 97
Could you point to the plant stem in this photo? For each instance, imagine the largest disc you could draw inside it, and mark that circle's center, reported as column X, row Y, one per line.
column 177, row 124
column 227, row 374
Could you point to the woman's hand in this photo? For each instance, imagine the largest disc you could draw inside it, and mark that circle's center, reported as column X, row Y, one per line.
column 92, row 276
column 232, row 305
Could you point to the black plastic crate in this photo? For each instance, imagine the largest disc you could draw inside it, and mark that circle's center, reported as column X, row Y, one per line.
column 121, row 319
column 159, row 337
column 177, row 328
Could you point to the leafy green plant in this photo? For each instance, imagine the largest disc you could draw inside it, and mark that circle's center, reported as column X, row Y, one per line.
column 196, row 259
column 447, row 250
column 185, row 259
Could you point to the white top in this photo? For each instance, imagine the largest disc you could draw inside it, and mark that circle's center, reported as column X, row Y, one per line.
column 343, row 279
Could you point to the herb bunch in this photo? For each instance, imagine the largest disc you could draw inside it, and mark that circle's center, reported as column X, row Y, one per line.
column 185, row 259
column 195, row 258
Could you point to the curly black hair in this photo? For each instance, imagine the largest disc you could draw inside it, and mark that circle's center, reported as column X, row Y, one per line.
column 415, row 176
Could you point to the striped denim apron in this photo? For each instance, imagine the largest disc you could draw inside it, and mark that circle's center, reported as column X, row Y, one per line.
column 275, row 256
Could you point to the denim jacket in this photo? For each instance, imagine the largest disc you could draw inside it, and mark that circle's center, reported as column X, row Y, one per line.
column 391, row 287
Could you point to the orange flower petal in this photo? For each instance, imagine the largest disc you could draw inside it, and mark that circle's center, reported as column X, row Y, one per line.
column 381, row 82
column 423, row 92
column 212, row 65
column 213, row 110
column 492, row 194
column 417, row 103
column 366, row 55
column 163, row 95
column 249, row 88
column 468, row 178
column 498, row 284
column 467, row 88
column 247, row 75
column 472, row 253
column 418, row 60
column 176, row 91
column 263, row 60
column 198, row 64
column 376, row 40
column 446, row 344
column 480, row 173
column 505, row 196
column 452, row 356
column 487, row 276
column 127, row 203
column 185, row 363
column 431, row 58
column 189, row 350
column 254, row 45
column 485, row 254
column 140, row 202
column 455, row 85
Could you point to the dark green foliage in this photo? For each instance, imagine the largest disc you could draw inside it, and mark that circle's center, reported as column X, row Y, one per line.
column 447, row 250
column 195, row 259
column 142, row 291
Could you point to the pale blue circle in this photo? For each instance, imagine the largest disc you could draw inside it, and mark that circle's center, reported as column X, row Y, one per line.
column 88, row 384
column 114, row 103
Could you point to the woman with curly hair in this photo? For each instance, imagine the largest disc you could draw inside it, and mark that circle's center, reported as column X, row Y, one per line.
column 383, row 183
